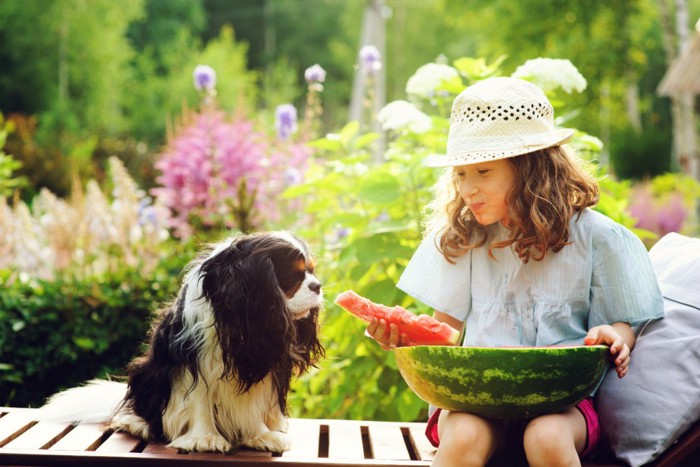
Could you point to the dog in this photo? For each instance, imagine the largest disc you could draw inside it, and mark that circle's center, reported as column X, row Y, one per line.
column 221, row 357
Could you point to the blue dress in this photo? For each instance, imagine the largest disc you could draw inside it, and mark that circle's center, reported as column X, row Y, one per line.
column 604, row 276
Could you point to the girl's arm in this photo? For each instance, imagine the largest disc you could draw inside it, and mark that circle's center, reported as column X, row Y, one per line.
column 390, row 338
column 619, row 337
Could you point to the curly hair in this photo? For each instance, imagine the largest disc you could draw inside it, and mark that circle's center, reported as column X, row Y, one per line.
column 551, row 187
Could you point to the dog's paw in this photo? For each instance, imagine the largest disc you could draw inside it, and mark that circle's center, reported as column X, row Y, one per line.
column 205, row 443
column 272, row 441
column 130, row 423
column 278, row 424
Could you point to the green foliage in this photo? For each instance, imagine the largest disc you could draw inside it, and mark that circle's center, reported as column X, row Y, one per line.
column 163, row 87
column 58, row 334
column 580, row 31
column 367, row 219
column 8, row 181
column 641, row 155
column 92, row 74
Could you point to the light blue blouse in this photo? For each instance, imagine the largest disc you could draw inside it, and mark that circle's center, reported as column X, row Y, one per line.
column 604, row 276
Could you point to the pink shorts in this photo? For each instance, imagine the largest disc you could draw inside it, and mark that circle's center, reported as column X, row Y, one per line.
column 585, row 407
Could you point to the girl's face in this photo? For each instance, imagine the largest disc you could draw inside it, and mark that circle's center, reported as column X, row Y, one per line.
column 484, row 187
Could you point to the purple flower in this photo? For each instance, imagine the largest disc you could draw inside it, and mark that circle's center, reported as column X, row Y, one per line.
column 204, row 78
column 342, row 232
column 315, row 74
column 285, row 120
column 292, row 176
column 370, row 59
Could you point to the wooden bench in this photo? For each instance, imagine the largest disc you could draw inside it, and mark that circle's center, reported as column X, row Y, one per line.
column 25, row 441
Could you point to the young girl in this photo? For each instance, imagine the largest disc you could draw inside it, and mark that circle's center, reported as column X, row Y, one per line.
column 514, row 257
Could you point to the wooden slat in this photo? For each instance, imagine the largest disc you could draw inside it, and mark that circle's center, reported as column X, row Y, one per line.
column 159, row 448
column 242, row 453
column 344, row 440
column 85, row 437
column 40, row 435
column 387, row 441
column 119, row 442
column 304, row 436
column 424, row 450
column 13, row 424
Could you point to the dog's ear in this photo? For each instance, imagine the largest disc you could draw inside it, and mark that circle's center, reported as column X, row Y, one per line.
column 308, row 348
column 252, row 322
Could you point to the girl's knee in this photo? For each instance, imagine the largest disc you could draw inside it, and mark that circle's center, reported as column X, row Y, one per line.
column 550, row 440
column 465, row 437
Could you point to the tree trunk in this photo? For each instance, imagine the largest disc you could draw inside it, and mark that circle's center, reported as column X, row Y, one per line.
column 676, row 40
column 632, row 104
column 688, row 153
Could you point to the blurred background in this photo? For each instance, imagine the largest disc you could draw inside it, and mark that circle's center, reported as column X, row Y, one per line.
column 132, row 132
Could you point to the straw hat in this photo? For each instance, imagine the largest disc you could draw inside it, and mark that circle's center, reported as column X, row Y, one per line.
column 499, row 118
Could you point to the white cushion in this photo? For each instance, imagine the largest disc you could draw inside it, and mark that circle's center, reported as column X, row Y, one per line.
column 645, row 412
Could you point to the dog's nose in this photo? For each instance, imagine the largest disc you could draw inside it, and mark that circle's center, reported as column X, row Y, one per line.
column 315, row 287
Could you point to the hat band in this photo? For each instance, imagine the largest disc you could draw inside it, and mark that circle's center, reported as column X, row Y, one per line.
column 490, row 143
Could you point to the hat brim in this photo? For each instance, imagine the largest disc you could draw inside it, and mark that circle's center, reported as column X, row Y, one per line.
column 560, row 136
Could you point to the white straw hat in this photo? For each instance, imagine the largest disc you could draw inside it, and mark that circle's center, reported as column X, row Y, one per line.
column 499, row 118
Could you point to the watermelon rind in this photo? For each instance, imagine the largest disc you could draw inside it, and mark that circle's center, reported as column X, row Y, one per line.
column 503, row 382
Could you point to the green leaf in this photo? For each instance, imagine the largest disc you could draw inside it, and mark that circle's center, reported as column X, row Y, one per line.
column 326, row 144
column 365, row 140
column 380, row 189
column 348, row 132
column 476, row 68
column 84, row 343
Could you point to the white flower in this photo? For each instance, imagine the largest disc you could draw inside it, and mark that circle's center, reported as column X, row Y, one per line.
column 428, row 78
column 552, row 73
column 399, row 115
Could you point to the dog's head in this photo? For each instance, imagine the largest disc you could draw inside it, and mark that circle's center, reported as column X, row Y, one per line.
column 265, row 300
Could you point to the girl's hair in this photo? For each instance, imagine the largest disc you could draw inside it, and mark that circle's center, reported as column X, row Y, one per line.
column 550, row 188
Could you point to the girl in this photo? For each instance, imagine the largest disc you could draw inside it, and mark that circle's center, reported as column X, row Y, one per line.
column 514, row 256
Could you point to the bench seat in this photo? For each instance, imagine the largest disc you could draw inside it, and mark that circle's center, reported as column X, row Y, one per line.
column 26, row 441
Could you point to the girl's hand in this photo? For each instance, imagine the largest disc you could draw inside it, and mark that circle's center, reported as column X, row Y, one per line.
column 387, row 336
column 620, row 338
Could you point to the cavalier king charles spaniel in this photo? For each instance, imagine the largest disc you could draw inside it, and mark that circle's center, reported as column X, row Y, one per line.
column 221, row 357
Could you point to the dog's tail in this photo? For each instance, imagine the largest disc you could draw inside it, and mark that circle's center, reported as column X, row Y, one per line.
column 95, row 402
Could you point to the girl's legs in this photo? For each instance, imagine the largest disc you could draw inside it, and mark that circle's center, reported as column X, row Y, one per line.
column 465, row 439
column 555, row 439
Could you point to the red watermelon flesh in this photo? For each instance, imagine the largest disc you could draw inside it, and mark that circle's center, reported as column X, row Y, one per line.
column 420, row 329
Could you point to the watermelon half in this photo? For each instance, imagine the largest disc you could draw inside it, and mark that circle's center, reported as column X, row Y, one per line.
column 420, row 329
column 504, row 382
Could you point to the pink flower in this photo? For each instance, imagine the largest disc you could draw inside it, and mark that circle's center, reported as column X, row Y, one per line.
column 207, row 161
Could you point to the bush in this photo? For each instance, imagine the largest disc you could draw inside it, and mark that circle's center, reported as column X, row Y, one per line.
column 58, row 334
column 78, row 280
column 637, row 156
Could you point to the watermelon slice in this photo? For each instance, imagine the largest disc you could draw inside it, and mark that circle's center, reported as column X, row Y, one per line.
column 420, row 329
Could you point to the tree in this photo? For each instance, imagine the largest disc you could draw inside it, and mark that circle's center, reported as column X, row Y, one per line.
column 76, row 57
column 612, row 44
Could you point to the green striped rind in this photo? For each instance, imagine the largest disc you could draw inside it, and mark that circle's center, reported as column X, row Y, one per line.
column 507, row 382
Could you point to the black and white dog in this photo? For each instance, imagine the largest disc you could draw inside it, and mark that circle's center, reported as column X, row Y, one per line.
column 221, row 357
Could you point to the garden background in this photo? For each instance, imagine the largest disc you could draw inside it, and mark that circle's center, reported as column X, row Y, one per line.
column 133, row 132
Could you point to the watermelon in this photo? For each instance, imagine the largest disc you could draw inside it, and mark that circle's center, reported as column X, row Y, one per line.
column 504, row 382
column 420, row 329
